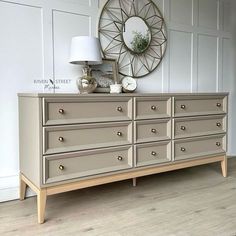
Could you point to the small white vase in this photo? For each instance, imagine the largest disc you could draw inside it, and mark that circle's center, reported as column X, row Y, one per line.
column 115, row 88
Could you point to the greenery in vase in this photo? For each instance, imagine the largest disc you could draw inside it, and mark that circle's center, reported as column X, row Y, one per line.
column 140, row 41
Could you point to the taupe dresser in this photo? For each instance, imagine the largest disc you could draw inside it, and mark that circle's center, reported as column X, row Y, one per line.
column 71, row 141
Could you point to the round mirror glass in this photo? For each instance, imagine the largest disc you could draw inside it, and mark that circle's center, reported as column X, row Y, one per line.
column 136, row 34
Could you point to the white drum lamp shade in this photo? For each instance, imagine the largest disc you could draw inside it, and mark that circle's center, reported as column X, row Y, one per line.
column 85, row 50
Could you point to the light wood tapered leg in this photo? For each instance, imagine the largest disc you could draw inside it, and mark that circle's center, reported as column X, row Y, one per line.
column 41, row 202
column 22, row 189
column 134, row 182
column 224, row 167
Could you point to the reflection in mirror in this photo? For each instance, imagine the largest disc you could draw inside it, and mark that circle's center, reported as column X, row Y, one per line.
column 136, row 34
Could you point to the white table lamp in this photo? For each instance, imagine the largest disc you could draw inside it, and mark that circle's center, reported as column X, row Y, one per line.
column 85, row 50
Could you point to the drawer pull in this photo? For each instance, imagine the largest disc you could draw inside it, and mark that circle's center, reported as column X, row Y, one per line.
column 119, row 109
column 182, row 149
column 119, row 158
column 119, row 134
column 218, row 104
column 153, row 131
column 182, row 106
column 61, row 139
column 61, row 111
column 153, row 153
column 153, row 108
column 218, row 144
column 183, row 128
column 61, row 167
column 218, row 124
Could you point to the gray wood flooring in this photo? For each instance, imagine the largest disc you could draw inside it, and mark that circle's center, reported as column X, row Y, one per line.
column 195, row 201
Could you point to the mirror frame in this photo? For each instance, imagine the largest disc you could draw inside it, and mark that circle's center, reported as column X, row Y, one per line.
column 112, row 19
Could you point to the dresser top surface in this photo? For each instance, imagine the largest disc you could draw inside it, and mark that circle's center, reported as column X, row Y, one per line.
column 118, row 95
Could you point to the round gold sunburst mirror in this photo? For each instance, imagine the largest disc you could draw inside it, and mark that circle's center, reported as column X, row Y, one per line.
column 134, row 33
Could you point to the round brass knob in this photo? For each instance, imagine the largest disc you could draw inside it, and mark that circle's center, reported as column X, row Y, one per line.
column 183, row 128
column 61, row 139
column 182, row 106
column 218, row 104
column 61, row 111
column 153, row 108
column 182, row 149
column 153, row 153
column 153, row 131
column 61, row 167
column 218, row 144
column 218, row 124
column 119, row 108
column 119, row 158
column 119, row 133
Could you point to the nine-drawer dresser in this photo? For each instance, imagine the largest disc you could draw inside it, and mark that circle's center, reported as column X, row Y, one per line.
column 71, row 141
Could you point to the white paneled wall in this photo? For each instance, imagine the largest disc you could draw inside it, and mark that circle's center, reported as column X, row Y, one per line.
column 208, row 14
column 180, row 66
column 207, row 66
column 181, row 11
column 64, row 28
column 34, row 45
column 35, row 42
column 194, row 59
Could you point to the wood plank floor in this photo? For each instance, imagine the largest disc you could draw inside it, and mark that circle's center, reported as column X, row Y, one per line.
column 195, row 201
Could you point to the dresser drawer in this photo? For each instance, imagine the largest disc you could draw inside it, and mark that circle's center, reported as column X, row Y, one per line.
column 196, row 126
column 152, row 153
column 85, row 110
column 152, row 107
column 197, row 147
column 78, row 137
column 152, row 130
column 85, row 163
column 199, row 105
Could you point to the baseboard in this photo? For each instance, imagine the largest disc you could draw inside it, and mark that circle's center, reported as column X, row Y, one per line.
column 9, row 188
column 231, row 156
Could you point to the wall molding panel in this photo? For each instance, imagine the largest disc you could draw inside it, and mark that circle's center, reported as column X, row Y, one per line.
column 180, row 12
column 64, row 28
column 207, row 20
column 180, row 64
column 207, row 75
